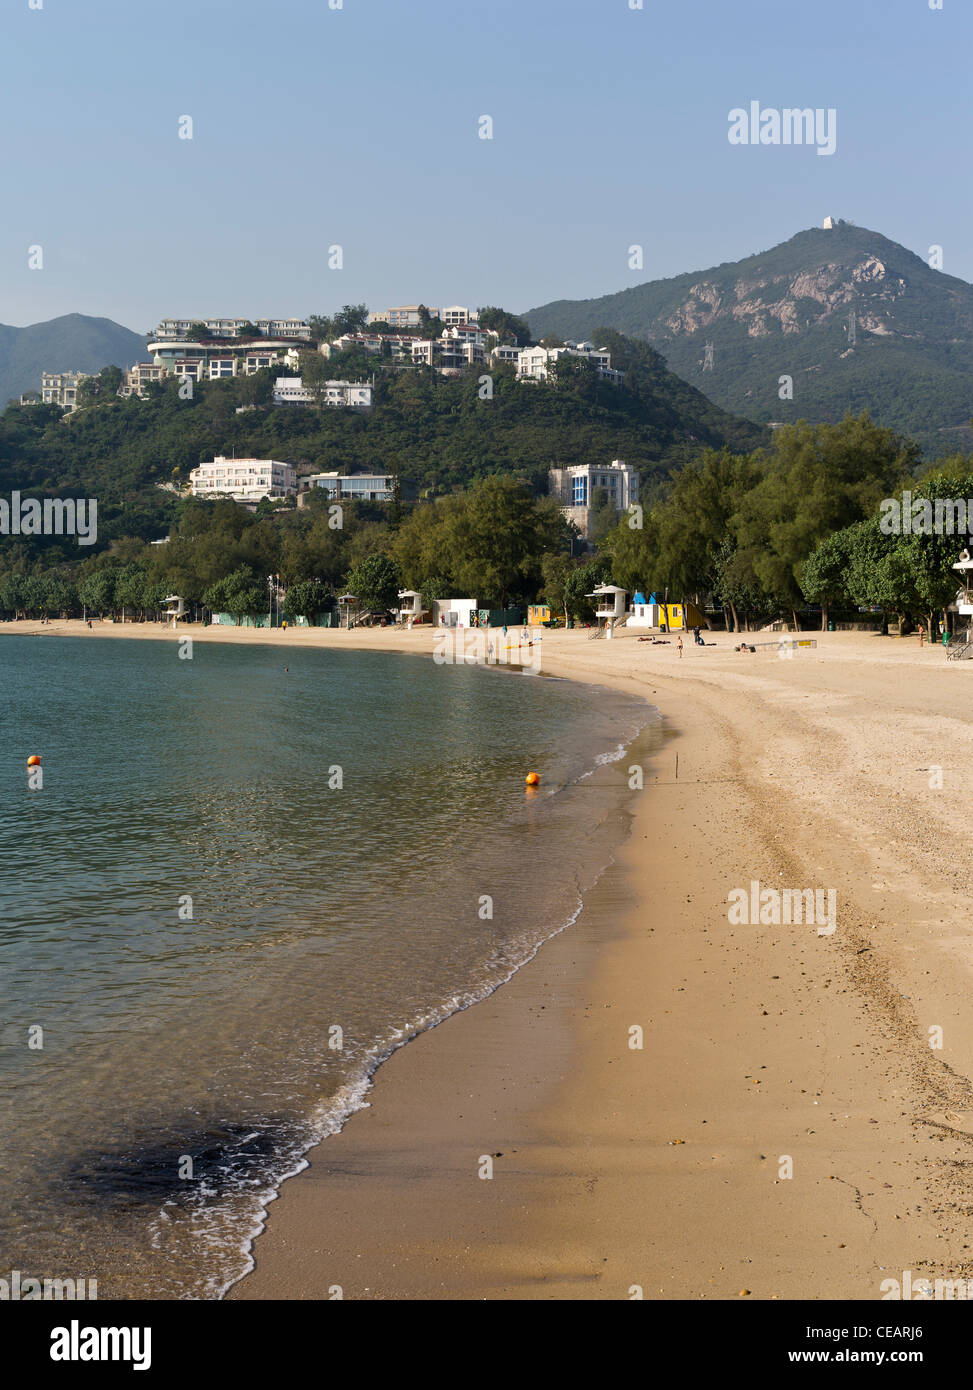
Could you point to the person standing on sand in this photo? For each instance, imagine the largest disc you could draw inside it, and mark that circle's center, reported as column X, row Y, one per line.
column 679, row 645
column 922, row 636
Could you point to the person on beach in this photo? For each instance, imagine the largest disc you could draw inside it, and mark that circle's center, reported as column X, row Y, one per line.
column 679, row 645
column 922, row 636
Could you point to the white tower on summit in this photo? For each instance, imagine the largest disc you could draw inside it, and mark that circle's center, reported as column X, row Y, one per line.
column 830, row 223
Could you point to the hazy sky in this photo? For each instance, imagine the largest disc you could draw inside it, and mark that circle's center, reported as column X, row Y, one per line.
column 358, row 127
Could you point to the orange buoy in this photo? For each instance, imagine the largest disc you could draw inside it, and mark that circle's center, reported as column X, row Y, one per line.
column 532, row 779
column 33, row 760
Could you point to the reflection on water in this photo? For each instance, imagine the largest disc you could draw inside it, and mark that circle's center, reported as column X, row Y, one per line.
column 238, row 889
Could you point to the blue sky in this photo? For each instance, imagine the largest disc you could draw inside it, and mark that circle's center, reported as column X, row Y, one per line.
column 358, row 127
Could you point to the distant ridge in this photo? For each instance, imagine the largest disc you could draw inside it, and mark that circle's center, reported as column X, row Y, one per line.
column 787, row 312
column 71, row 342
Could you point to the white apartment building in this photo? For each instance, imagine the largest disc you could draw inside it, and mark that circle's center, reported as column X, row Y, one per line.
column 173, row 353
column 506, row 352
column 370, row 487
column 245, row 480
column 403, row 316
column 407, row 315
column 290, row 390
column 533, row 362
column 575, row 487
column 138, row 377
column 178, row 329
column 400, row 344
column 61, row 388
column 355, row 394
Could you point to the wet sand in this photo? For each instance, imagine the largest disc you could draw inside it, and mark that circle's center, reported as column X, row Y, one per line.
column 662, row 1170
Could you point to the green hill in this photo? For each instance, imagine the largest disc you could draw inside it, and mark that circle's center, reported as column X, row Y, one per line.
column 73, row 342
column 435, row 432
column 787, row 311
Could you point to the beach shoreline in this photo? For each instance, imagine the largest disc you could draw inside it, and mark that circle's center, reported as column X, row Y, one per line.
column 675, row 1105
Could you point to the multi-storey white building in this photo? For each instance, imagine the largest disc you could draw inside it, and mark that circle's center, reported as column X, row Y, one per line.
column 290, row 390
column 173, row 353
column 171, row 329
column 245, row 480
column 61, row 388
column 506, row 352
column 533, row 362
column 403, row 316
column 138, row 377
column 456, row 314
column 575, row 487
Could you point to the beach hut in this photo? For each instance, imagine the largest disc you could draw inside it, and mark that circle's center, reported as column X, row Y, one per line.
column 455, row 612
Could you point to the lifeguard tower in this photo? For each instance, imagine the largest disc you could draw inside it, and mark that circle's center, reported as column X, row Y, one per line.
column 175, row 608
column 961, row 646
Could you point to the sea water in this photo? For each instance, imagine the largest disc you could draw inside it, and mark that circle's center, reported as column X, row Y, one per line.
column 238, row 889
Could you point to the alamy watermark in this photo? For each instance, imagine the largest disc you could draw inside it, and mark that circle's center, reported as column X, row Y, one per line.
column 925, row 1290
column 25, row 1287
column 54, row 516
column 459, row 646
column 922, row 516
column 790, row 126
column 774, row 907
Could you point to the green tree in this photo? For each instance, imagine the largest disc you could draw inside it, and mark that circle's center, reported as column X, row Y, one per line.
column 308, row 598
column 824, row 574
column 376, row 582
column 97, row 591
column 819, row 479
column 557, row 571
column 580, row 584
column 242, row 594
column 512, row 329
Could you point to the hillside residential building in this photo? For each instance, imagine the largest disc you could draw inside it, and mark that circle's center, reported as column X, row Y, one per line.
column 245, row 480
column 178, row 329
column 506, row 352
column 404, row 316
column 61, row 388
column 368, row 487
column 138, row 377
column 575, row 486
column 533, row 362
column 455, row 348
column 248, row 357
column 290, row 390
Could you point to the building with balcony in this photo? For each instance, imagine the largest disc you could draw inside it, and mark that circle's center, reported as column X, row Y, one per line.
column 575, row 488
column 290, row 390
column 245, row 480
column 352, row 487
column 138, row 377
column 61, row 388
column 179, row 329
column 404, row 316
column 533, row 363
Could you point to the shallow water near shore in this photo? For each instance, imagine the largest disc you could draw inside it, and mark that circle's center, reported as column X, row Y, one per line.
column 240, row 888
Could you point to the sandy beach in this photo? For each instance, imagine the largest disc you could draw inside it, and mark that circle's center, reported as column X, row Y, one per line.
column 675, row 1105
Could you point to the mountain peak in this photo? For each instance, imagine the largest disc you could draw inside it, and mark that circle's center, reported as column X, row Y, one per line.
column 853, row 319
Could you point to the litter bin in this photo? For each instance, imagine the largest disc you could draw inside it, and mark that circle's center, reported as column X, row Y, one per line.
column 830, row 625
column 570, row 623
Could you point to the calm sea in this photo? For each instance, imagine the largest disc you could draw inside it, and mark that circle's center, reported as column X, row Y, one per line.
column 239, row 889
